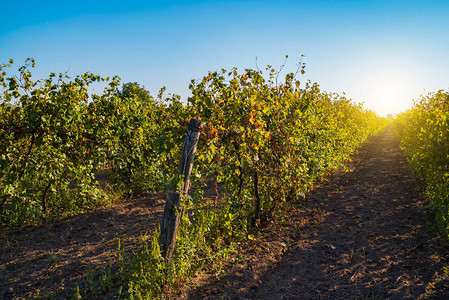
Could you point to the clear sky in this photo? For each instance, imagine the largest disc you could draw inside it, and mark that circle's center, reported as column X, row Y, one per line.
column 383, row 53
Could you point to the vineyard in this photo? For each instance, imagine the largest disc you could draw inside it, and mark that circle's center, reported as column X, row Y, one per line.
column 56, row 138
column 265, row 145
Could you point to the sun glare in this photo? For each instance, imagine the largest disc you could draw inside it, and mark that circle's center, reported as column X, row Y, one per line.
column 387, row 89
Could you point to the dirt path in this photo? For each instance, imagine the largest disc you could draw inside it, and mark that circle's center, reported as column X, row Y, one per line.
column 361, row 235
column 48, row 261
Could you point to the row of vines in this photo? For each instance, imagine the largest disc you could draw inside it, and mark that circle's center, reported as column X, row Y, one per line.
column 57, row 138
column 424, row 137
column 64, row 149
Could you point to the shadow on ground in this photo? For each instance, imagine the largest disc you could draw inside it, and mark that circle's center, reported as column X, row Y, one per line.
column 50, row 260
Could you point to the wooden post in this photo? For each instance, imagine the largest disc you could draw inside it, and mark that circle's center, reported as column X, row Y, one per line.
column 172, row 209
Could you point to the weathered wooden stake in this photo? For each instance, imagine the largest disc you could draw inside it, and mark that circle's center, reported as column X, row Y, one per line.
column 172, row 209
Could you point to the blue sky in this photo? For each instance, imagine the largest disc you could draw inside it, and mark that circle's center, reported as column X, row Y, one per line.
column 384, row 53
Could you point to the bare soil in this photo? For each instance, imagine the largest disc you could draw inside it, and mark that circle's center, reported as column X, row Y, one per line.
column 361, row 234
column 49, row 261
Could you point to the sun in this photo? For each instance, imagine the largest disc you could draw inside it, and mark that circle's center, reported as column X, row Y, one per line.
column 389, row 89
